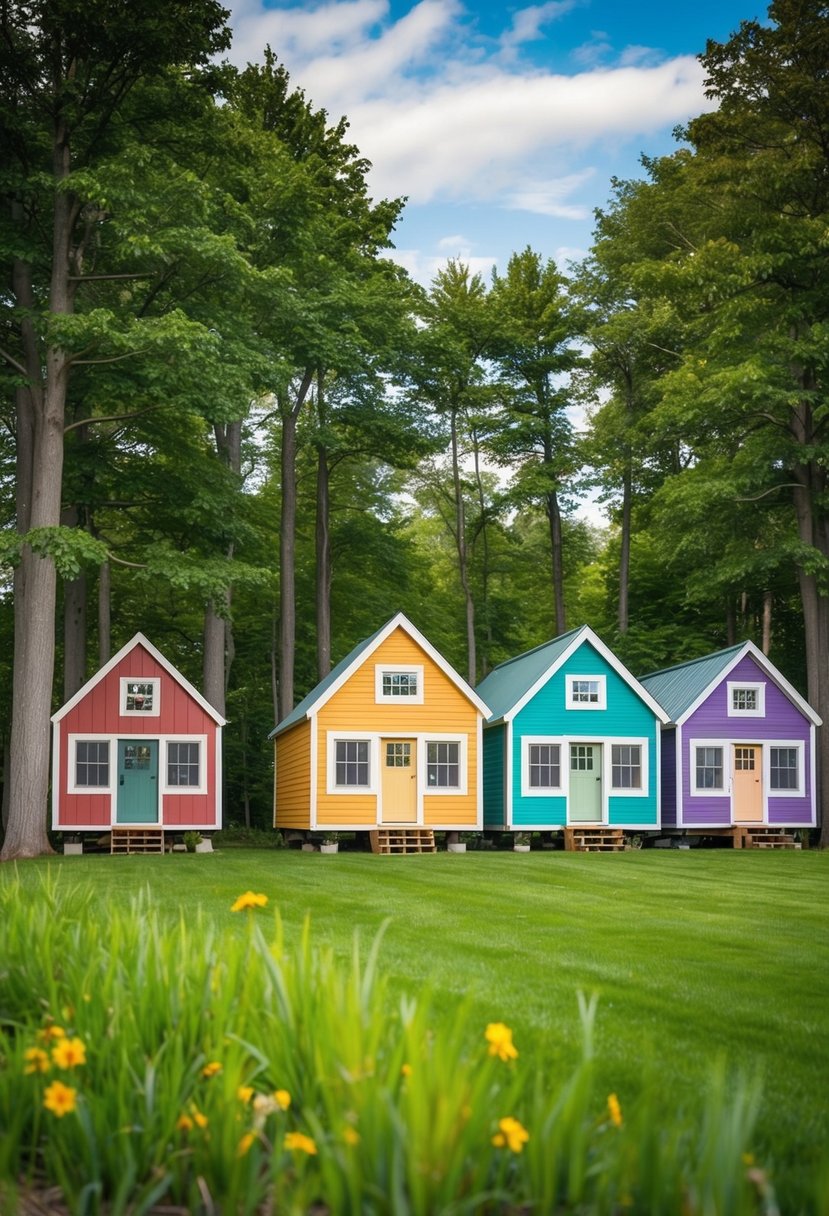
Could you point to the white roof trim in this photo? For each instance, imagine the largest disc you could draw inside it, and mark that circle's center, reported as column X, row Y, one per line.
column 400, row 621
column 749, row 648
column 586, row 634
column 140, row 640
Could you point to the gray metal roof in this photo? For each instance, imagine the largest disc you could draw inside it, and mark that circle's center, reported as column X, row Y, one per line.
column 506, row 684
column 677, row 688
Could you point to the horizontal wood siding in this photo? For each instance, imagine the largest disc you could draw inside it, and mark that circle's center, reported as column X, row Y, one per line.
column 292, row 757
column 547, row 715
column 494, row 809
column 782, row 722
column 445, row 711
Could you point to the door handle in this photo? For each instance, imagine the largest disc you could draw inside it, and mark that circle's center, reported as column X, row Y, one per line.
column 121, row 781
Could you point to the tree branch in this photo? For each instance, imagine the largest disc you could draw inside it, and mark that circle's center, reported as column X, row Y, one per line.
column 784, row 485
column 112, row 359
column 4, row 354
column 104, row 278
column 73, row 426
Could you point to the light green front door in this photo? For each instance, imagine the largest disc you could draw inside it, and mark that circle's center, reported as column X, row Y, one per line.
column 137, row 781
column 585, row 783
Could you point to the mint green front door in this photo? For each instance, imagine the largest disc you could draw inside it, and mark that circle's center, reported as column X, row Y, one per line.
column 137, row 781
column 585, row 783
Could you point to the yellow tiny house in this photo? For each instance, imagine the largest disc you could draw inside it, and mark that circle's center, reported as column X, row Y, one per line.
column 391, row 737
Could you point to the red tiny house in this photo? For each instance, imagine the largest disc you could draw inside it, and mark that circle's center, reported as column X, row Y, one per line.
column 138, row 745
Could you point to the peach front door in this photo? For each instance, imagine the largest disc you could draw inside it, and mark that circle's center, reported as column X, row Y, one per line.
column 399, row 761
column 748, row 783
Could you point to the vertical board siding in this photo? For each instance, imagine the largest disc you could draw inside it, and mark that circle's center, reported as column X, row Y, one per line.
column 781, row 722
column 99, row 713
column 547, row 714
column 446, row 710
column 292, row 756
column 494, row 776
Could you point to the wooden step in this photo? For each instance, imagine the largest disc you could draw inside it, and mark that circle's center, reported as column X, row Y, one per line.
column 593, row 840
column 137, row 840
column 767, row 838
column 403, row 840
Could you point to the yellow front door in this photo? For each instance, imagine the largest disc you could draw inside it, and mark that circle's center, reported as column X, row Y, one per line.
column 399, row 781
column 748, row 783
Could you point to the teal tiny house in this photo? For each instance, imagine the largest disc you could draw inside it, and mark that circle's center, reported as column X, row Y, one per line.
column 573, row 740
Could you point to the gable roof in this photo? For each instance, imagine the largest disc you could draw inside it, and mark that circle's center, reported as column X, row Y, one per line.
column 338, row 675
column 512, row 684
column 682, row 688
column 140, row 640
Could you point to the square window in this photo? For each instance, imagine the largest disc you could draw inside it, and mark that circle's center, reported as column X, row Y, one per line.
column 140, row 697
column 626, row 766
column 746, row 700
column 586, row 692
column 443, row 765
column 544, row 766
column 92, row 763
column 398, row 755
column 351, row 762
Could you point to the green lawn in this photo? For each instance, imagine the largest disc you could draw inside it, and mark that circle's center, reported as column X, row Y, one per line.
column 693, row 954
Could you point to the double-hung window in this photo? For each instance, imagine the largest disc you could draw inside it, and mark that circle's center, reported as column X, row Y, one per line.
column 626, row 766
column 784, row 769
column 92, row 764
column 184, row 764
column 544, row 766
column 708, row 769
column 351, row 762
column 443, row 765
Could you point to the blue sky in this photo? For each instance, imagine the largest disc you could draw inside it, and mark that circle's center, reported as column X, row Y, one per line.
column 502, row 123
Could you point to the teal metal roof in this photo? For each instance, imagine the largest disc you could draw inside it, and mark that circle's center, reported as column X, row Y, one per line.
column 307, row 703
column 506, row 684
column 677, row 688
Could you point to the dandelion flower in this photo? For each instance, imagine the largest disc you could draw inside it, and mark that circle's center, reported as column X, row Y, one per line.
column 211, row 1069
column 500, row 1041
column 351, row 1136
column 36, row 1060
column 199, row 1119
column 244, row 1093
column 184, row 1123
column 510, row 1135
column 245, row 1143
column 614, row 1110
column 282, row 1098
column 60, row 1099
column 406, row 1070
column 51, row 1032
column 249, row 900
column 296, row 1142
column 69, row 1053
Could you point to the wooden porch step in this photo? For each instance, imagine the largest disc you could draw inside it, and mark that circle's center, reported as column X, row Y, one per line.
column 137, row 840
column 767, row 838
column 403, row 840
column 594, row 840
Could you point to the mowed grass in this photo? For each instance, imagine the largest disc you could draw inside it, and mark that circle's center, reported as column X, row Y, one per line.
column 694, row 956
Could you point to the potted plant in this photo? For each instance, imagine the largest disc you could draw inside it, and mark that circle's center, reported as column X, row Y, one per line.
column 521, row 843
column 330, row 842
column 72, row 845
column 454, row 844
column 191, row 839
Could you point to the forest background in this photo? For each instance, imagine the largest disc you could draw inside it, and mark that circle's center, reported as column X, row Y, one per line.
column 232, row 422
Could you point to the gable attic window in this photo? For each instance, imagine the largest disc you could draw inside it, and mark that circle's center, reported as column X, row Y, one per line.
column 586, row 692
column 140, row 697
column 746, row 700
column 401, row 684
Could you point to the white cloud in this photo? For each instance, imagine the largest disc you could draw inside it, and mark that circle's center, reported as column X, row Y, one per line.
column 423, row 267
column 548, row 197
column 527, row 23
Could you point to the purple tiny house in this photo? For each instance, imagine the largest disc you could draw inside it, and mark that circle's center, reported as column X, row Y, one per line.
column 740, row 745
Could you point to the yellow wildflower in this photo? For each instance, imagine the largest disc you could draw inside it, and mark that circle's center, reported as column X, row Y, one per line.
column 351, row 1136
column 199, row 1119
column 245, row 1143
column 406, row 1070
column 249, row 900
column 51, row 1032
column 244, row 1093
column 211, row 1069
column 748, row 1159
column 510, row 1135
column 69, row 1053
column 500, row 1041
column 184, row 1123
column 282, row 1098
column 614, row 1110
column 296, row 1142
column 60, row 1099
column 36, row 1060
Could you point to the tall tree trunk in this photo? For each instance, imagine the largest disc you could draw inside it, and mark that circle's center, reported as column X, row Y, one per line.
column 219, row 646
column 730, row 622
column 483, row 531
column 556, row 559
column 213, row 666
column 323, row 558
column 74, row 635
column 463, row 555
column 287, row 547
column 624, row 549
column 768, row 605
column 104, row 613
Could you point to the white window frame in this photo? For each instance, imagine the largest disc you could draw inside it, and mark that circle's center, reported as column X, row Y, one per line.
column 393, row 669
column 644, row 766
column 71, row 786
column 352, row 736
column 545, row 791
column 601, row 703
column 725, row 746
column 748, row 686
column 184, row 790
column 140, row 713
column 447, row 791
column 797, row 745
